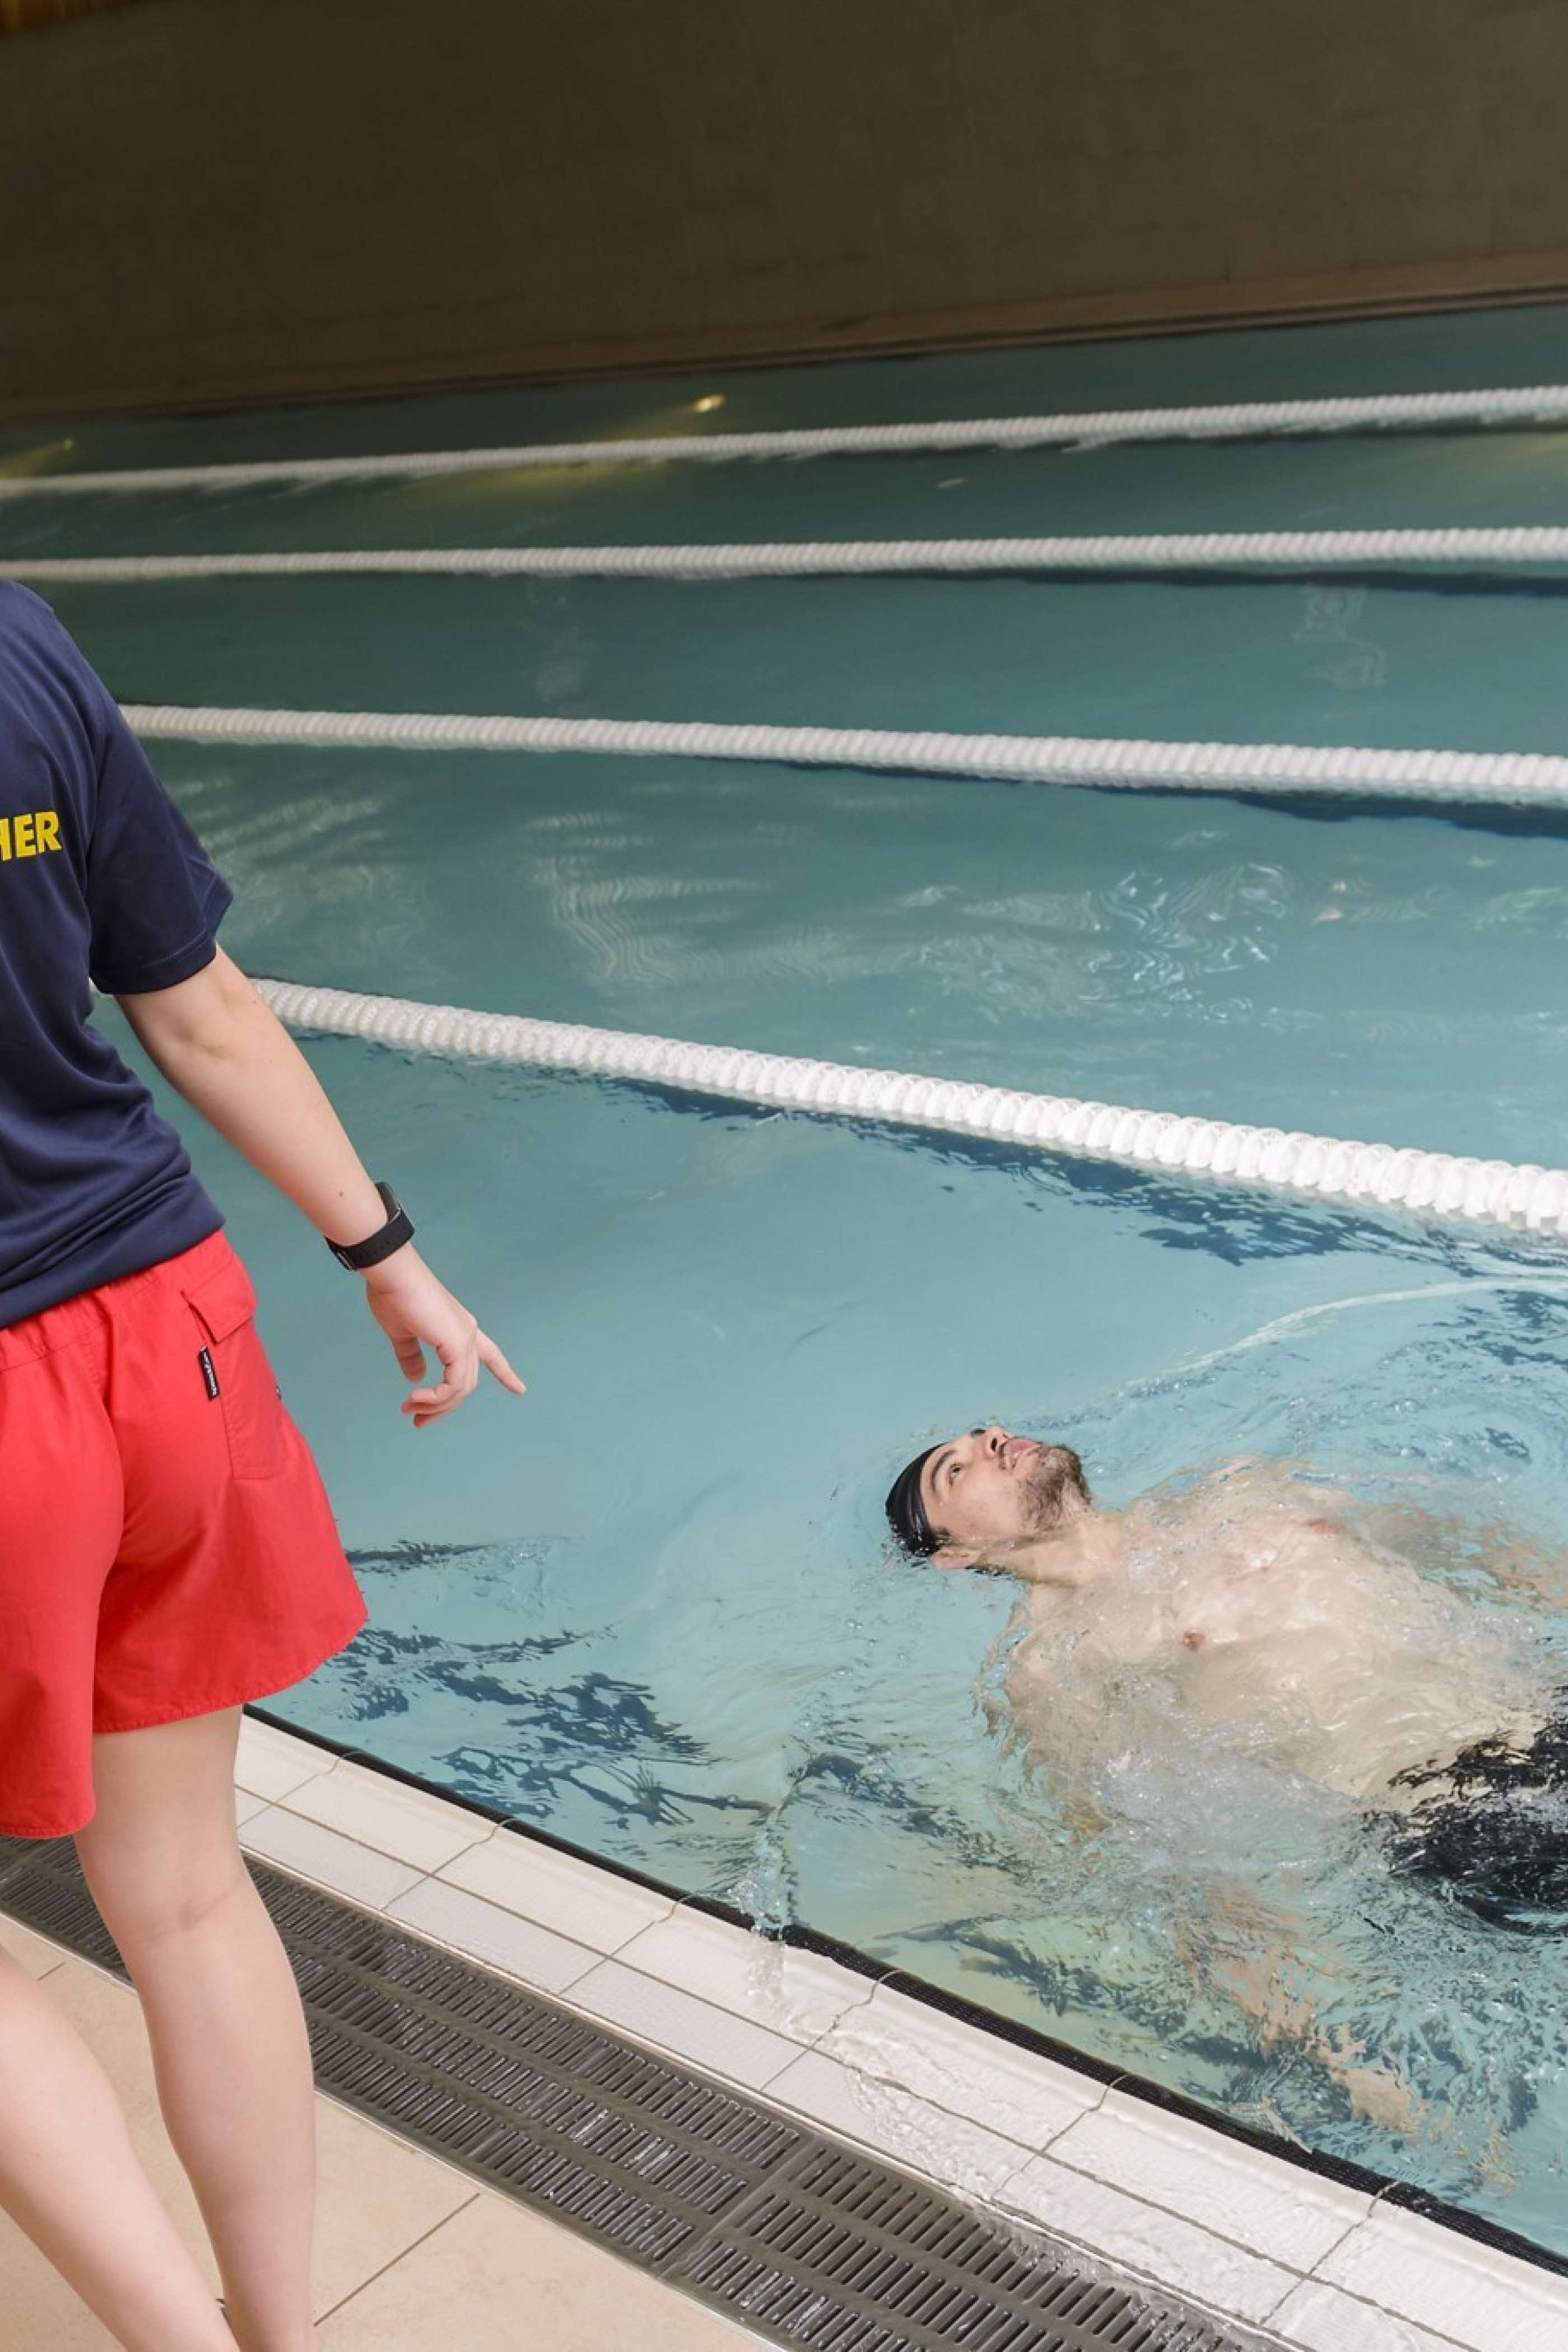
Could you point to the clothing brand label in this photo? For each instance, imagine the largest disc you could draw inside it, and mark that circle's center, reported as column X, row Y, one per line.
column 204, row 1358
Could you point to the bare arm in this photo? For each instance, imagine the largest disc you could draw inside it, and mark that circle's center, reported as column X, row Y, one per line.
column 1517, row 1564
column 1259, row 1982
column 220, row 1047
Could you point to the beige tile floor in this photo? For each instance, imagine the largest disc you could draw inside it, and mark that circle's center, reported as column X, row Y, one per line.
column 411, row 2256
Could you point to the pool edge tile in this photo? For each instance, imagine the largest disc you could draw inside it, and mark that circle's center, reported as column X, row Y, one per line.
column 1435, row 2278
column 409, row 1825
column 754, row 1977
column 360, row 1873
column 271, row 1762
column 1318, row 2317
column 958, row 2068
column 1295, row 2219
column 533, row 1956
column 680, row 2024
column 556, row 1891
column 820, row 2090
column 1153, row 2244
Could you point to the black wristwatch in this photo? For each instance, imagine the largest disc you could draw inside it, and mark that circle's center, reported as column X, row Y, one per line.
column 360, row 1257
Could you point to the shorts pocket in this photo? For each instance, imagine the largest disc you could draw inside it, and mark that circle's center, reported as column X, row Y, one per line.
column 229, row 1359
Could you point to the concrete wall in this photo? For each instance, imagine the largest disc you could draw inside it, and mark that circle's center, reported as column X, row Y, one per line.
column 210, row 198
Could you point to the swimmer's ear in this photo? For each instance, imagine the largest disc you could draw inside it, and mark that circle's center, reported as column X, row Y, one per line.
column 952, row 1556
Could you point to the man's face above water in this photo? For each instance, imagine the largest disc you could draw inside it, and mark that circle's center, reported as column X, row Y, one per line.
column 988, row 1489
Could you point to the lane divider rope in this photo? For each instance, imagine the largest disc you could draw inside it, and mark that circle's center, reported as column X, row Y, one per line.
column 1524, row 404
column 1499, row 545
column 1533, row 779
column 1375, row 1175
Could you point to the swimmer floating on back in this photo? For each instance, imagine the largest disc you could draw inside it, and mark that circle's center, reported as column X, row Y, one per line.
column 1274, row 1620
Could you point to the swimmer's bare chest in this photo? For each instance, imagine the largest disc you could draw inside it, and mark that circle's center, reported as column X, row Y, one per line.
column 1343, row 1664
column 1201, row 1583
column 1279, row 1576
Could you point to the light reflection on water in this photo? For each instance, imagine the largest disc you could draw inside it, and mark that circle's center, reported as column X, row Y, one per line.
column 1391, row 979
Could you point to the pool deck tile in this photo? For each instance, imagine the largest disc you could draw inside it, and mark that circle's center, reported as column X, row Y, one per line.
column 678, row 2025
column 1421, row 2272
column 39, row 2310
column 36, row 1954
column 534, row 1956
column 408, row 1825
column 496, row 2278
column 377, row 2194
column 1158, row 2246
column 791, row 1992
column 888, row 2121
column 1287, row 2215
column 1015, row 2094
column 557, row 1891
column 1319, row 2319
column 327, row 1858
column 272, row 1763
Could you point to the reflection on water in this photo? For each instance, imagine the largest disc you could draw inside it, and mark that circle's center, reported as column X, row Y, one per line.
column 525, row 1721
column 1072, row 943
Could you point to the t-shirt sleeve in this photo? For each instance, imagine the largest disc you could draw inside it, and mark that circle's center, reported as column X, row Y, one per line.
column 154, row 897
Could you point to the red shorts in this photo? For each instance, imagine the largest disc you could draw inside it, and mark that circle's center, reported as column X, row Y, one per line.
column 166, row 1546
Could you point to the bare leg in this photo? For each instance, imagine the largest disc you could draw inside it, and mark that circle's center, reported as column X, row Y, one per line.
column 229, row 2037
column 68, row 2177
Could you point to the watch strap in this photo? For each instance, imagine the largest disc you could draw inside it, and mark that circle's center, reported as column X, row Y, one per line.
column 360, row 1257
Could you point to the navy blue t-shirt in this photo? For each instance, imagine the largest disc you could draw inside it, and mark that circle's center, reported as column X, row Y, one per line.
column 101, row 880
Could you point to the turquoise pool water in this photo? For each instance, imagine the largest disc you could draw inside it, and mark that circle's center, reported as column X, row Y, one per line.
column 650, row 1607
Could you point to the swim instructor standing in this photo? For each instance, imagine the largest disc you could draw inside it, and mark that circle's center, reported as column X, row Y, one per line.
column 166, row 1549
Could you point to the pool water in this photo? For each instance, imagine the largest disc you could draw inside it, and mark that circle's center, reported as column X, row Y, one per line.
column 650, row 1607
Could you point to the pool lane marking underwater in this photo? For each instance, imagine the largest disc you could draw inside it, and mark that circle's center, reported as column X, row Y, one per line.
column 1489, row 547
column 1523, row 779
column 1513, row 404
column 981, row 2106
column 1436, row 1185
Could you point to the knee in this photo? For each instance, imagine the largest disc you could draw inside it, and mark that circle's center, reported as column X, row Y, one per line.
column 148, row 1907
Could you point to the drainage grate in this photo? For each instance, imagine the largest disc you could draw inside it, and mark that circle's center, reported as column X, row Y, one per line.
column 850, row 2256
column 800, row 2238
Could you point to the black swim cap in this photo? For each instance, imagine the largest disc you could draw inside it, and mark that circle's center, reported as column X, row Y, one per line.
column 906, row 1511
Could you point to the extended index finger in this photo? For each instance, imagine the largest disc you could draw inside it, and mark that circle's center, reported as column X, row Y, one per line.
column 496, row 1363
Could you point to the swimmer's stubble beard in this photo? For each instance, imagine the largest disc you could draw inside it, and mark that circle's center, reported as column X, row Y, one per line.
column 1071, row 1541
column 1055, row 1489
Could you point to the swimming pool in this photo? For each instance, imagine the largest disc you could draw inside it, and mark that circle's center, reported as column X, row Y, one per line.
column 651, row 1608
